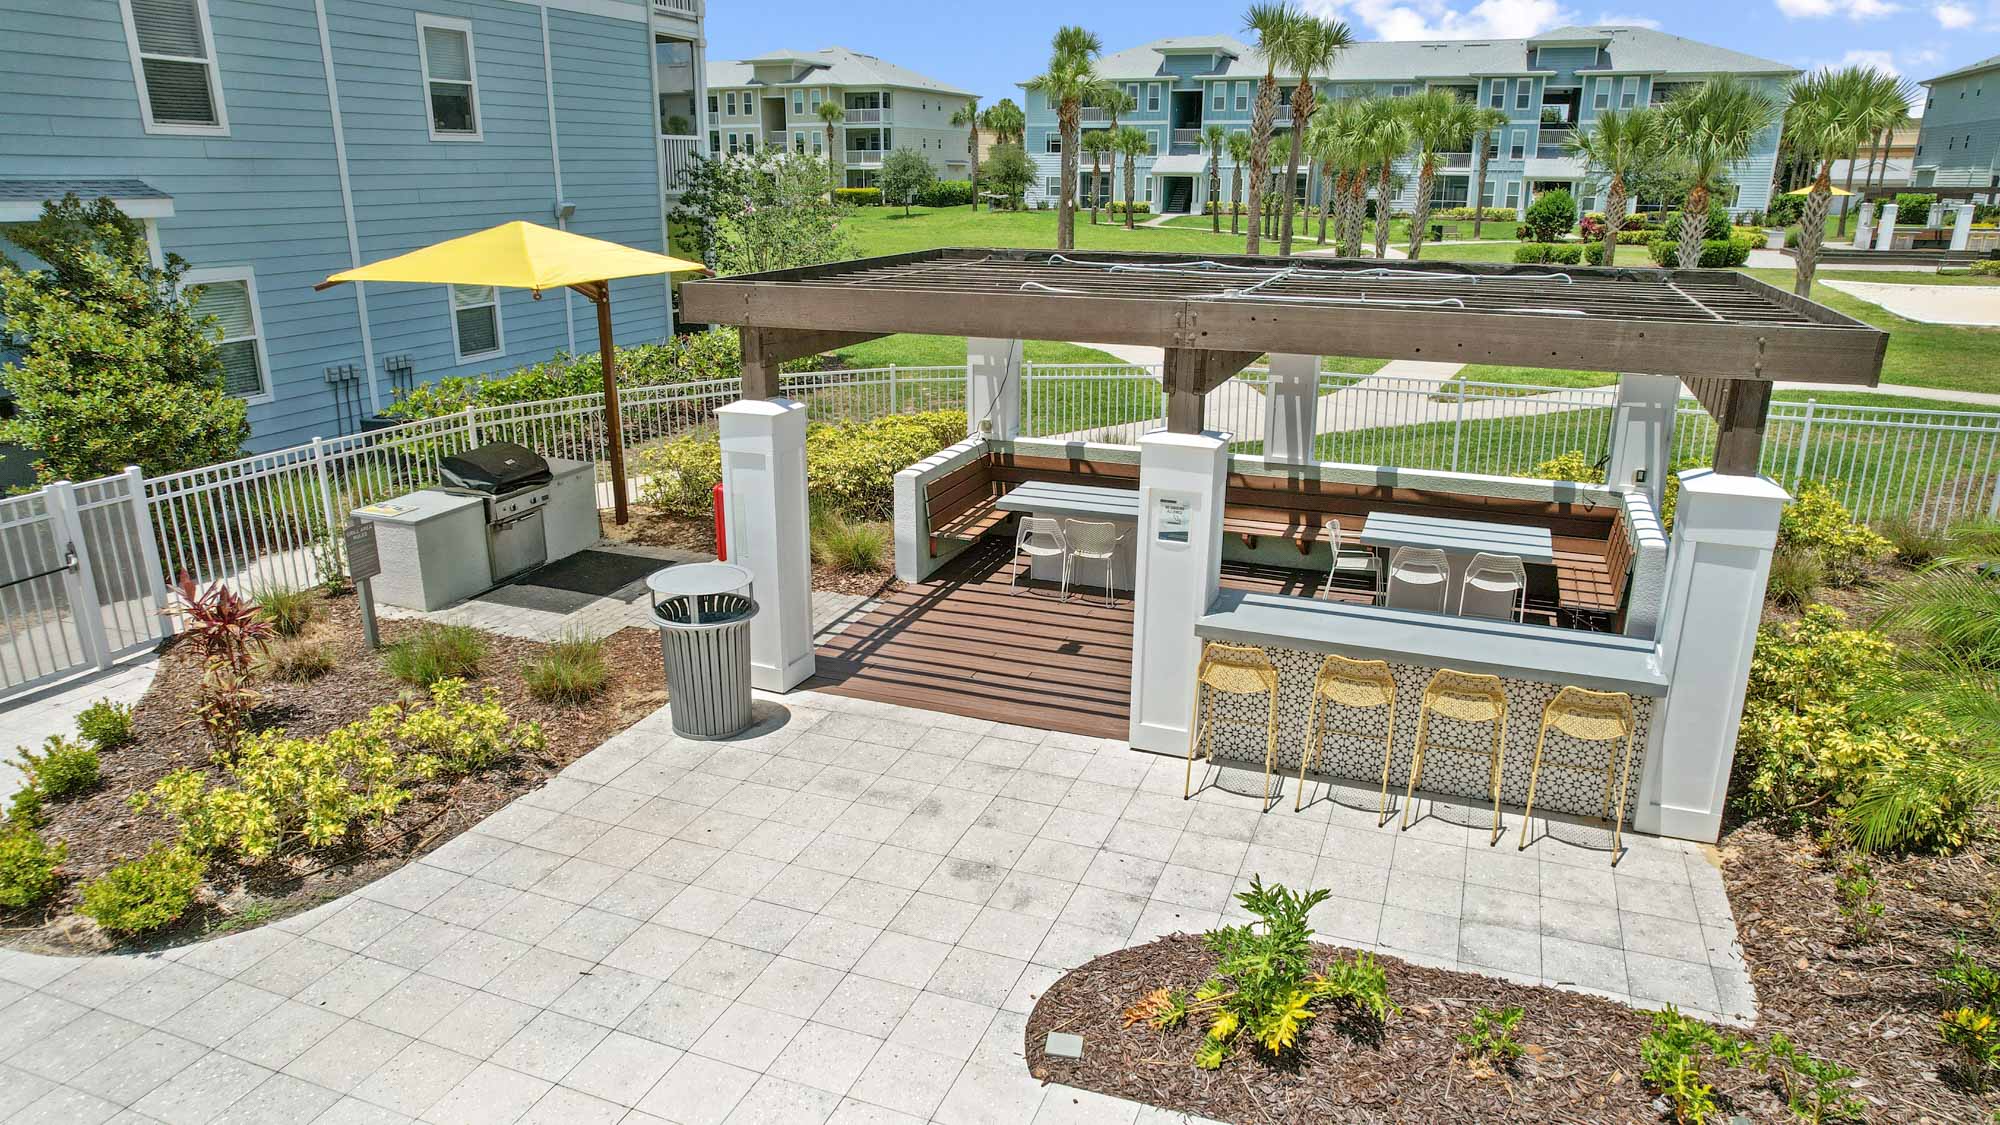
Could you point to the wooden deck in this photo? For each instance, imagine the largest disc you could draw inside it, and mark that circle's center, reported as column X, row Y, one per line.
column 962, row 644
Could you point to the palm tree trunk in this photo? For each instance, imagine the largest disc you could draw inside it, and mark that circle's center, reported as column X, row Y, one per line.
column 1095, row 172
column 1846, row 203
column 1350, row 220
column 1812, row 225
column 975, row 166
column 1694, row 228
column 1327, row 187
column 1420, row 215
column 1614, row 217
column 1260, row 157
column 1215, row 194
column 1479, row 185
column 1382, row 212
column 1131, row 181
column 1071, row 119
column 832, row 176
column 1235, row 197
column 1288, row 195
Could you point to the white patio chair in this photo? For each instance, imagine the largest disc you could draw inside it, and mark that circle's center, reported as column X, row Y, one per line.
column 1418, row 579
column 1351, row 562
column 1039, row 537
column 1494, row 586
column 1094, row 541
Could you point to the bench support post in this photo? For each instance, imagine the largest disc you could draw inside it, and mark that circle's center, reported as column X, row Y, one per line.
column 1885, row 230
column 1961, row 227
column 1642, row 433
column 1724, row 533
column 764, row 516
column 1291, row 408
column 1864, row 227
column 993, row 387
column 1182, row 481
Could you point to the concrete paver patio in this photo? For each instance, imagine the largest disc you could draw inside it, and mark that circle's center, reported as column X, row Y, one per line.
column 845, row 915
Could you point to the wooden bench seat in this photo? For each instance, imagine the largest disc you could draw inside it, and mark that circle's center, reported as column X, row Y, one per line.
column 962, row 504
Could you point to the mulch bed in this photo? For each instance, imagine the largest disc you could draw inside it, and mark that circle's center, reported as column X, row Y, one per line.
column 101, row 830
column 649, row 528
column 1872, row 1006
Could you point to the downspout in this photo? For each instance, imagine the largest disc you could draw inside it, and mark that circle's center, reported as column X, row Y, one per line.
column 347, row 203
column 555, row 163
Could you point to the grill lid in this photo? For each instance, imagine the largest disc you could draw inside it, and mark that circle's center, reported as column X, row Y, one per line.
column 494, row 468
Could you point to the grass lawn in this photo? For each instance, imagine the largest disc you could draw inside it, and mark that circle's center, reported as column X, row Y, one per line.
column 885, row 230
column 905, row 350
column 1920, row 355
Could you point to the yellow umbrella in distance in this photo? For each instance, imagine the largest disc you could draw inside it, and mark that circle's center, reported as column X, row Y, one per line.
column 522, row 255
column 1831, row 190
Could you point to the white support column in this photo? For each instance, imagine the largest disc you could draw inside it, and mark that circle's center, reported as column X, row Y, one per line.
column 992, row 387
column 1885, row 230
column 1642, row 433
column 1724, row 532
column 1291, row 408
column 1864, row 227
column 1961, row 227
column 764, row 517
column 1181, row 484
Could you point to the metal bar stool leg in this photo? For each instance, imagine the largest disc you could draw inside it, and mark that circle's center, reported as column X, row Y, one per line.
column 1270, row 751
column 1416, row 765
column 1306, row 757
column 1499, row 767
column 1624, row 782
column 1194, row 742
column 1388, row 752
column 1534, row 777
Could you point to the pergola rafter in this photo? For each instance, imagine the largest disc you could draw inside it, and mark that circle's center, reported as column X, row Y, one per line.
column 1725, row 333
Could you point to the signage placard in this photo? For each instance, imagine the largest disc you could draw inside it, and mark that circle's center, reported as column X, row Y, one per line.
column 363, row 559
column 1172, row 517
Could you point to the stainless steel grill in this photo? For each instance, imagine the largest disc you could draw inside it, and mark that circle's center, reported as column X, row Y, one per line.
column 514, row 482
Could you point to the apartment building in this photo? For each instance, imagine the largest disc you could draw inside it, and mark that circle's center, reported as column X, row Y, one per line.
column 1959, row 143
column 1549, row 87
column 270, row 143
column 773, row 101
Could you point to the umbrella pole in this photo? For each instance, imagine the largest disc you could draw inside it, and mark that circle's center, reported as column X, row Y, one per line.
column 614, row 429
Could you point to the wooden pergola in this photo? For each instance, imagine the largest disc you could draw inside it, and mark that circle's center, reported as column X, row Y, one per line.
column 1725, row 334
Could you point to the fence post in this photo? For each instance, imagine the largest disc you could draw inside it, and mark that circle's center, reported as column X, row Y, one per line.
column 1028, row 414
column 471, row 426
column 1805, row 441
column 81, row 579
column 329, row 511
column 893, row 409
column 1458, row 425
column 149, row 548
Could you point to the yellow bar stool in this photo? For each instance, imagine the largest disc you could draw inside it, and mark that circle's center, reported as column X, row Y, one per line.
column 1468, row 697
column 1353, row 685
column 1588, row 716
column 1237, row 670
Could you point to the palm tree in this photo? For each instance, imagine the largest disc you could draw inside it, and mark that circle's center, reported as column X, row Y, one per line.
column 1005, row 121
column 1830, row 115
column 1383, row 134
column 1275, row 23
column 1132, row 143
column 1239, row 155
column 967, row 115
column 1712, row 128
column 1311, row 47
column 1326, row 142
column 1624, row 141
column 831, row 114
column 1214, row 138
column 1439, row 123
column 1069, row 79
column 1336, row 139
column 1485, row 122
column 1098, row 143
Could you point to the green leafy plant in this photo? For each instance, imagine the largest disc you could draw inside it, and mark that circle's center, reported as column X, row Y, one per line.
column 762, row 211
column 1676, row 1054
column 1489, row 1038
column 28, row 866
column 855, row 548
column 906, row 174
column 62, row 768
column 1551, row 216
column 298, row 660
column 1910, row 542
column 1813, row 1090
column 224, row 627
column 436, row 652
column 288, row 610
column 570, row 671
column 145, row 894
column 1817, row 521
column 105, row 725
column 1975, row 1034
column 24, row 808
column 1553, row 253
column 224, row 703
column 1859, row 907
column 1796, row 577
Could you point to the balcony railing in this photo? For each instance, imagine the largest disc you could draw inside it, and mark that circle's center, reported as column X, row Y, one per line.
column 863, row 156
column 677, row 160
column 1454, row 160
column 1187, row 137
column 863, row 117
column 684, row 9
column 1093, row 115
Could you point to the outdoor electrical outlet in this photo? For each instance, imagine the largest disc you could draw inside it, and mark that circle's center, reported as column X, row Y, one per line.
column 986, row 425
column 1638, row 476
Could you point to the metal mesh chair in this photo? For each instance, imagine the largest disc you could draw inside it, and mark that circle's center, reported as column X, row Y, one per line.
column 1349, row 562
column 1418, row 579
column 1356, row 685
column 1588, row 716
column 1468, row 697
column 1040, row 538
column 1094, row 541
column 1494, row 586
column 1233, row 670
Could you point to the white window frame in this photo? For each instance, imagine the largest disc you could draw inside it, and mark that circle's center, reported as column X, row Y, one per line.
column 1153, row 98
column 1400, row 90
column 1153, row 142
column 1600, row 93
column 1497, row 97
column 208, row 275
column 450, row 23
column 1628, row 93
column 729, row 103
column 211, row 64
column 818, row 143
column 1052, row 186
column 1517, row 145
column 1513, row 195
column 1242, row 96
column 1219, row 102
column 499, row 325
column 813, row 101
column 798, row 102
column 1524, row 93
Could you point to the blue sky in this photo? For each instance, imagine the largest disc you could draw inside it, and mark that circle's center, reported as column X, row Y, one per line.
column 988, row 48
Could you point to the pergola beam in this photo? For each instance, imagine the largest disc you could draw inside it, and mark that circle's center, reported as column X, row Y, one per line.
column 766, row 349
column 1188, row 374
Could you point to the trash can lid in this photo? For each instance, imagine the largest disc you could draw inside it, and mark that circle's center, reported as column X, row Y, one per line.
column 698, row 578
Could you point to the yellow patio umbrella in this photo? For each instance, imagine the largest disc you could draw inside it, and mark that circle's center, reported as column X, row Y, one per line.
column 522, row 255
column 1831, row 190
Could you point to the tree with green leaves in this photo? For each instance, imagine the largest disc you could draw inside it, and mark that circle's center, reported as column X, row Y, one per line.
column 1486, row 121
column 1438, row 122
column 1324, row 141
column 1383, row 134
column 117, row 365
column 1310, row 49
column 1005, row 121
column 1009, row 172
column 1239, row 157
column 830, row 115
column 1070, row 78
column 1132, row 144
column 967, row 117
column 1274, row 24
column 1713, row 127
column 1112, row 98
column 1623, row 143
column 1214, row 139
column 905, row 172
column 1830, row 114
column 760, row 211
column 1098, row 144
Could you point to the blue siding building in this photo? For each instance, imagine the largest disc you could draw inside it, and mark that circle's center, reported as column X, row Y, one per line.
column 1959, row 145
column 272, row 142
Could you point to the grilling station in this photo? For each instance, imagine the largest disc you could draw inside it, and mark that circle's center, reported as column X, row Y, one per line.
column 1610, row 683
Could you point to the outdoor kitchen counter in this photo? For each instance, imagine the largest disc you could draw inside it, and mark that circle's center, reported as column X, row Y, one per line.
column 1600, row 661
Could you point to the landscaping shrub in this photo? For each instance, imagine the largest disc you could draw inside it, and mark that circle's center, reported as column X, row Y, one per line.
column 145, row 894
column 1493, row 214
column 946, row 193
column 436, row 652
column 1574, row 465
column 1119, row 207
column 571, row 671
column 1796, row 577
column 27, row 866
column 852, row 465
column 1593, row 253
column 1817, row 521
column 1676, row 1052
column 680, row 475
column 1970, row 1025
column 288, row 610
column 1913, row 208
column 105, row 725
column 1550, row 216
column 24, row 808
column 1784, row 210
column 859, row 196
column 1716, row 253
column 460, row 734
column 854, row 548
column 63, row 768
column 1554, row 253
column 298, row 660
column 225, row 627
column 1989, row 267
column 1910, row 542
column 1794, row 237
column 1719, row 226
column 1490, row 1037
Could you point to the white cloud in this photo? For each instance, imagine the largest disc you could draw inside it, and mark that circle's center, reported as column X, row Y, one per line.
column 1856, row 10
column 1437, row 19
column 1954, row 16
column 1618, row 19
column 1884, row 61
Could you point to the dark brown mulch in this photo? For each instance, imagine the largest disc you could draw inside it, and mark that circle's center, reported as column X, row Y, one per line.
column 100, row 829
column 650, row 528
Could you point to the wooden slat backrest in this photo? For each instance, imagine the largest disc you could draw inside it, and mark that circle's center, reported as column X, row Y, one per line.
column 1618, row 557
column 954, row 492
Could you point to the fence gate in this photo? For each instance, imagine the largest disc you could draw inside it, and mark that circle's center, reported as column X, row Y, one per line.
column 80, row 580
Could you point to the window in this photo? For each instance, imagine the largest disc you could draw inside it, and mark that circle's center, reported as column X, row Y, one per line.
column 1628, row 93
column 1153, row 141
column 229, row 294
column 449, row 80
column 1221, row 91
column 1497, row 99
column 1055, row 141
column 798, row 102
column 714, row 141
column 732, row 144
column 1052, row 187
column 1523, row 89
column 713, row 106
column 1519, row 147
column 1153, row 98
column 798, row 142
column 1513, row 193
column 816, row 98
column 475, row 320
column 1242, row 96
column 885, row 99
column 819, row 146
column 1400, row 90
column 730, row 101
column 173, row 61
column 1486, row 193
column 1600, row 97
column 1132, row 91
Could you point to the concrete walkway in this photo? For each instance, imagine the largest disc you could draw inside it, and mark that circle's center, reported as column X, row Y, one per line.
column 29, row 722
column 1971, row 305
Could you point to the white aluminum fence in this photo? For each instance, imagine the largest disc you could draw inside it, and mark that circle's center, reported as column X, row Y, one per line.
column 82, row 567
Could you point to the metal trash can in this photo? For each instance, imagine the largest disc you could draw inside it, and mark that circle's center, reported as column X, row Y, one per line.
column 704, row 611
